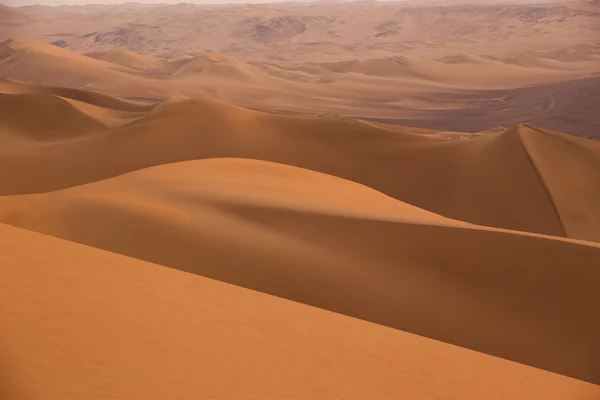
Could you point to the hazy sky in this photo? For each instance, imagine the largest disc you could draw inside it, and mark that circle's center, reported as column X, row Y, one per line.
column 16, row 3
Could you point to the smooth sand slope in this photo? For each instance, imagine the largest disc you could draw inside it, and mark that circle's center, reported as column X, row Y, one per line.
column 83, row 323
column 55, row 118
column 42, row 63
column 335, row 244
column 488, row 180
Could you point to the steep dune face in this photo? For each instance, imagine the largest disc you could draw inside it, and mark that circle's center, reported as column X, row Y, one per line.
column 570, row 169
column 338, row 245
column 165, row 334
column 489, row 180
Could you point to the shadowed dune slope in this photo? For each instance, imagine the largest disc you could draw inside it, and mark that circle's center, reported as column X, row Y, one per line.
column 95, row 98
column 489, row 180
column 166, row 334
column 41, row 117
column 338, row 245
column 570, row 169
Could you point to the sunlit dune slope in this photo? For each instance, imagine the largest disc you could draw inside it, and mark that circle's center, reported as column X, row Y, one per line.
column 489, row 180
column 42, row 63
column 83, row 323
column 332, row 243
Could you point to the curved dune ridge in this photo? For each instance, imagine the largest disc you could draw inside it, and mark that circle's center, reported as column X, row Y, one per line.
column 166, row 334
column 490, row 243
column 341, row 246
column 55, row 118
column 458, row 70
column 118, row 70
column 211, row 64
column 126, row 58
column 33, row 61
column 492, row 180
column 22, row 57
column 93, row 98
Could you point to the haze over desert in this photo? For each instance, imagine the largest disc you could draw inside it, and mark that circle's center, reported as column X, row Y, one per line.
column 303, row 200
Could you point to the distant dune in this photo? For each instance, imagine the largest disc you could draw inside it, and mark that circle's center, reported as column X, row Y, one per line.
column 37, row 62
column 210, row 67
column 126, row 58
column 298, row 63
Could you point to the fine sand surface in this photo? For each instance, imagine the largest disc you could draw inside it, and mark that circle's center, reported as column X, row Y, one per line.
column 407, row 256
column 500, row 178
column 335, row 244
column 309, row 201
column 84, row 323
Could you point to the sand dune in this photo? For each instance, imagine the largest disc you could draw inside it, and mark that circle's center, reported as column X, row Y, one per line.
column 95, row 98
column 32, row 61
column 489, row 180
column 22, row 58
column 567, row 167
column 328, row 242
column 324, row 200
column 458, row 70
column 126, row 58
column 223, row 73
column 128, row 75
column 165, row 334
column 216, row 65
column 55, row 119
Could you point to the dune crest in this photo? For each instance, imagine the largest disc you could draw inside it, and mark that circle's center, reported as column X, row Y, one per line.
column 126, row 58
column 566, row 167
